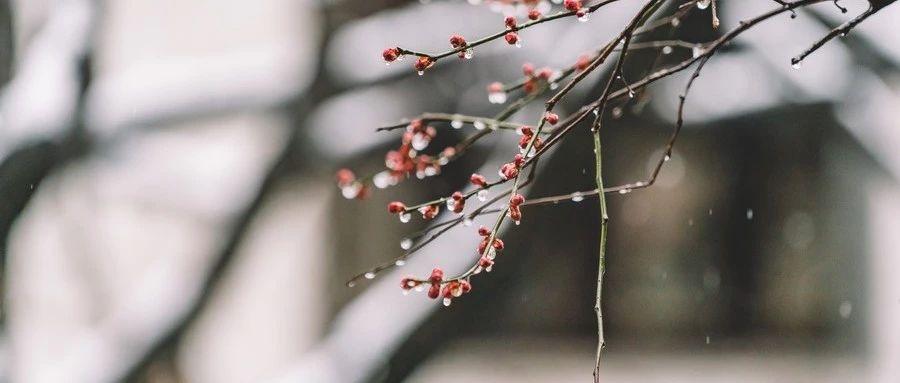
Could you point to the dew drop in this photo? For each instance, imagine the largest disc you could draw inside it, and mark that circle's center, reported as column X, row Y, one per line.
column 406, row 244
column 707, row 339
column 577, row 197
column 420, row 141
column 697, row 51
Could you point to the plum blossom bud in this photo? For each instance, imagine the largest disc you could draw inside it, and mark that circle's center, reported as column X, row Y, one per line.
column 396, row 207
column 390, row 54
column 516, row 200
column 424, row 62
column 484, row 231
column 552, row 118
column 528, row 69
column 478, row 180
column 485, row 263
column 408, row 283
column 509, row 171
column 534, row 14
column 512, row 38
column 583, row 62
column 344, row 177
column 434, row 291
column 518, row 160
column 437, row 275
column 510, row 22
column 457, row 41
column 429, row 212
column 572, row 5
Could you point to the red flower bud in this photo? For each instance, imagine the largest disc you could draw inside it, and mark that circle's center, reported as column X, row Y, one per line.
column 583, row 62
column 529, row 86
column 429, row 212
column 528, row 69
column 518, row 160
column 545, row 73
column 511, row 38
column 515, row 214
column 534, row 14
column 457, row 196
column 572, row 5
column 552, row 118
column 434, row 291
column 485, row 263
column 457, row 41
column 344, row 177
column 478, row 180
column 408, row 283
column 509, row 171
column 396, row 207
column 495, row 87
column 390, row 54
column 526, row 130
column 465, row 286
column 437, row 275
column 424, row 62
column 516, row 199
column 510, row 22
column 484, row 231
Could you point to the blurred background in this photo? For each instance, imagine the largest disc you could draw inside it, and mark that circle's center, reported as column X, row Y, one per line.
column 168, row 211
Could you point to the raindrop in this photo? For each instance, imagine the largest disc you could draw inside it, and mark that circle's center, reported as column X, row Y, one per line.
column 624, row 191
column 630, row 93
column 456, row 124
column 707, row 337
column 584, row 18
column 382, row 179
column 469, row 53
column 482, row 195
column 400, row 262
column 420, row 141
column 467, row 222
column 497, row 97
column 577, row 197
column 617, row 112
column 554, row 85
column 697, row 51
column 703, row 4
column 404, row 291
column 796, row 64
column 749, row 213
column 479, row 125
column 406, row 244
column 419, row 288
column 845, row 309
column 351, row 191
column 518, row 44
column 405, row 217
column 667, row 158
column 370, row 275
column 421, row 72
column 675, row 22
column 447, row 301
column 666, row 50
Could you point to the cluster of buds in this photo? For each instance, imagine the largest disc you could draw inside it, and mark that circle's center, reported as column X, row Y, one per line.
column 527, row 135
column 405, row 160
column 430, row 211
column 399, row 208
column 510, row 170
column 511, row 37
column 496, row 94
column 488, row 252
column 421, row 64
column 534, row 77
column 459, row 42
column 350, row 187
column 515, row 212
column 457, row 202
column 437, row 287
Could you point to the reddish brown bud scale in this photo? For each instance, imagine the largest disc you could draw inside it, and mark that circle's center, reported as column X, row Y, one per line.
column 516, row 200
column 498, row 244
column 484, row 231
column 515, row 213
column 465, row 286
column 526, row 130
column 396, row 207
column 457, row 196
column 485, row 262
column 534, row 14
